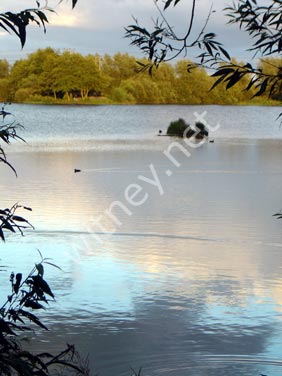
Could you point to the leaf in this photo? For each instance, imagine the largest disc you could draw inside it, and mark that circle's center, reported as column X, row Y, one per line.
column 251, row 83
column 7, row 225
column 234, row 79
column 217, row 82
column 225, row 53
column 272, row 88
column 262, row 89
column 223, row 71
column 18, row 282
column 167, row 4
column 40, row 254
column 43, row 285
column 19, row 219
column 54, row 265
column 7, row 163
column 208, row 47
column 140, row 63
column 40, row 269
column 209, row 35
column 32, row 318
column 33, row 304
column 2, row 234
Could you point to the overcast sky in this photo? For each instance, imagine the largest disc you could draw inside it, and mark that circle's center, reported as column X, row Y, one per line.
column 97, row 26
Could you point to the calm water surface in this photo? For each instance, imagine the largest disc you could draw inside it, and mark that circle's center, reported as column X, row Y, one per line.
column 189, row 282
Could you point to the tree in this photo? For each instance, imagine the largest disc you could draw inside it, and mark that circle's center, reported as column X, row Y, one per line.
column 191, row 88
column 46, row 73
column 263, row 24
column 165, row 78
column 118, row 68
column 4, row 68
column 91, row 77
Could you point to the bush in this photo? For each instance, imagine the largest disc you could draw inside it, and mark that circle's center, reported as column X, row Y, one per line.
column 23, row 94
column 181, row 129
column 177, row 128
column 121, row 95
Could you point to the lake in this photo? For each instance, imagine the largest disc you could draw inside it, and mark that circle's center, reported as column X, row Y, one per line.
column 171, row 256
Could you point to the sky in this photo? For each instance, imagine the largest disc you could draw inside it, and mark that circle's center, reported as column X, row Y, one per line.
column 97, row 26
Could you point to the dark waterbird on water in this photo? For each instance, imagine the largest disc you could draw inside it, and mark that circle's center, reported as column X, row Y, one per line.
column 76, row 170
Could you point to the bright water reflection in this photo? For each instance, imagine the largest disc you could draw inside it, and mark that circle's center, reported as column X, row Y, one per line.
column 190, row 283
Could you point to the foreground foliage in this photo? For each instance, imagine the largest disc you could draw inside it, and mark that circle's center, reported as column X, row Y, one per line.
column 17, row 22
column 29, row 294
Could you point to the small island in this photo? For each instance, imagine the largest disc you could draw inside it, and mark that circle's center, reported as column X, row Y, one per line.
column 180, row 128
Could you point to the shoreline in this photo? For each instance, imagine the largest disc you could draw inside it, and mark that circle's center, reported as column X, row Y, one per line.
column 257, row 103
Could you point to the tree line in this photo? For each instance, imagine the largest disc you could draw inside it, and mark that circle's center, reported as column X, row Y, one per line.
column 52, row 76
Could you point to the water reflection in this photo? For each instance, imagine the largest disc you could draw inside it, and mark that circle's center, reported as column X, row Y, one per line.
column 191, row 282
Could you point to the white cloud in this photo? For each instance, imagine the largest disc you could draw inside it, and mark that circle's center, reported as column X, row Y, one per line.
column 98, row 25
column 67, row 18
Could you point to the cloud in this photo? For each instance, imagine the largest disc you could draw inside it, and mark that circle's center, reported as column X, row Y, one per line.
column 98, row 26
column 67, row 19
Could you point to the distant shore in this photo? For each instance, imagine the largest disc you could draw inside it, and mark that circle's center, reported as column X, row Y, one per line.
column 108, row 101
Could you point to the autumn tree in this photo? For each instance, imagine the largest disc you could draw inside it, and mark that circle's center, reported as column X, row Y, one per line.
column 262, row 23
